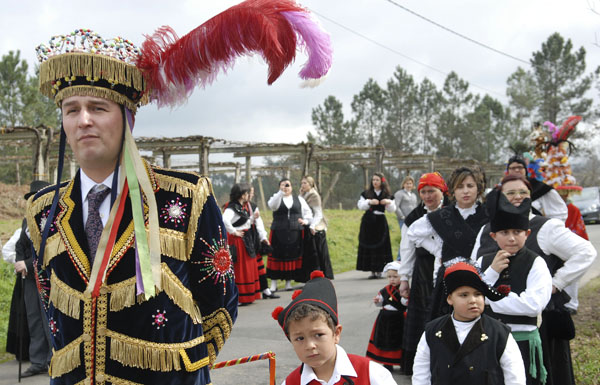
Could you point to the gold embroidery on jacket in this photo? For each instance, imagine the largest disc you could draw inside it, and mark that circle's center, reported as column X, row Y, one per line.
column 65, row 298
column 193, row 366
column 144, row 354
column 66, row 359
column 173, row 244
column 217, row 328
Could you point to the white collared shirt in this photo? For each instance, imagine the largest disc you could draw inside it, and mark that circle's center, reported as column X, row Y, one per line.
column 87, row 184
column 378, row 375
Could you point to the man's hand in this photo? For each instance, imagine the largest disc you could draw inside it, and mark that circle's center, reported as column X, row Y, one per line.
column 20, row 268
column 404, row 289
column 501, row 261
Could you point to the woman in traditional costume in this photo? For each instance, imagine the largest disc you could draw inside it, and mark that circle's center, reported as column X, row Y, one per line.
column 374, row 248
column 417, row 267
column 290, row 214
column 316, row 252
column 451, row 232
column 238, row 221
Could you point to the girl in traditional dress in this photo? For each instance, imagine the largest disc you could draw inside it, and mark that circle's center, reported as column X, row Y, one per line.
column 374, row 249
column 290, row 214
column 385, row 344
column 451, row 232
column 316, row 252
column 241, row 242
column 262, row 245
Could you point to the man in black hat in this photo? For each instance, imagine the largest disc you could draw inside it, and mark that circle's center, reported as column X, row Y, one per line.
column 39, row 346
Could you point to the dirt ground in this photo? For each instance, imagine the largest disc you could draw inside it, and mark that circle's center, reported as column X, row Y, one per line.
column 12, row 204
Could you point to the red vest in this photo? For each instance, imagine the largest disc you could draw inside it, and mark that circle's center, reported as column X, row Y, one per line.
column 360, row 364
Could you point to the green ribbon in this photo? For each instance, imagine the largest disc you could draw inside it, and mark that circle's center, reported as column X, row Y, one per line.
column 535, row 348
column 139, row 225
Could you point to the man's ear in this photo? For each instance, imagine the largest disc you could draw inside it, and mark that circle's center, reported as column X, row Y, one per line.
column 337, row 333
column 493, row 235
column 528, row 232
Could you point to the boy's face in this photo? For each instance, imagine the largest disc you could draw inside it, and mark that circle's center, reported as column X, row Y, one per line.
column 393, row 277
column 468, row 303
column 314, row 343
column 511, row 240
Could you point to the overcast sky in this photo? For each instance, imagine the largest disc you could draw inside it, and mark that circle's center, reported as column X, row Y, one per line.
column 240, row 105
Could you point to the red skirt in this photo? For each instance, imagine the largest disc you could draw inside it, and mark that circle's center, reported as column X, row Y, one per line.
column 246, row 271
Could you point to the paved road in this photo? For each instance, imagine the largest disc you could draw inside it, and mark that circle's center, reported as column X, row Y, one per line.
column 256, row 332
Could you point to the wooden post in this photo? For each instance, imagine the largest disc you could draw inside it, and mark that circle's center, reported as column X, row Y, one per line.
column 18, row 174
column 288, row 173
column 262, row 194
column 366, row 176
column 306, row 156
column 330, row 189
column 318, row 177
column 238, row 172
column 379, row 159
column 166, row 159
column 248, row 169
column 203, row 164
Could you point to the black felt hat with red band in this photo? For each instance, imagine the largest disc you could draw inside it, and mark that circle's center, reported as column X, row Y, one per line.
column 464, row 274
column 319, row 291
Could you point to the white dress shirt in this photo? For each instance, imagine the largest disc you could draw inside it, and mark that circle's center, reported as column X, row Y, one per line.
column 378, row 375
column 510, row 361
column 230, row 217
column 87, row 184
column 363, row 204
column 530, row 302
column 275, row 201
column 407, row 251
column 551, row 205
column 9, row 252
column 422, row 234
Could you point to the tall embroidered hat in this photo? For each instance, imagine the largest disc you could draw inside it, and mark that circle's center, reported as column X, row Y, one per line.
column 463, row 273
column 166, row 70
column 318, row 291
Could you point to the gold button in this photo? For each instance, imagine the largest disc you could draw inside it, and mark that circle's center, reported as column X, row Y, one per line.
column 103, row 290
column 86, row 337
column 100, row 377
column 471, row 368
column 102, row 331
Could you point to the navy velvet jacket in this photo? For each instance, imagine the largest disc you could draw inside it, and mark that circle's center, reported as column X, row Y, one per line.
column 121, row 338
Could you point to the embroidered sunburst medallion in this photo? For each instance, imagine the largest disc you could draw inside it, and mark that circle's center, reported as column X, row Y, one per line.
column 159, row 319
column 217, row 264
column 174, row 212
column 44, row 219
column 53, row 326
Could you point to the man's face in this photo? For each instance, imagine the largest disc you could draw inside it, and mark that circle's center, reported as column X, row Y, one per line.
column 94, row 128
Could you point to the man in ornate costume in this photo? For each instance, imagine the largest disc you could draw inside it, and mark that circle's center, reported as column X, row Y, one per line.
column 131, row 260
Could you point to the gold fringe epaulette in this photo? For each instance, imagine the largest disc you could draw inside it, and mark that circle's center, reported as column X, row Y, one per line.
column 179, row 294
column 122, row 294
column 176, row 185
column 34, row 207
column 173, row 244
column 66, row 359
column 65, row 298
column 54, row 246
column 217, row 329
column 143, row 354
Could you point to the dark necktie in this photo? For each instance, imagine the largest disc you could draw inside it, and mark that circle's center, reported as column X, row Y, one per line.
column 93, row 225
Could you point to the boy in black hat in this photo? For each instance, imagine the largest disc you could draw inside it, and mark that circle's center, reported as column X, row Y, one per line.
column 524, row 272
column 467, row 347
column 310, row 322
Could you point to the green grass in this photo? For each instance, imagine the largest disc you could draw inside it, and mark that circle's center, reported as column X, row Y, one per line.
column 585, row 347
column 7, row 282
